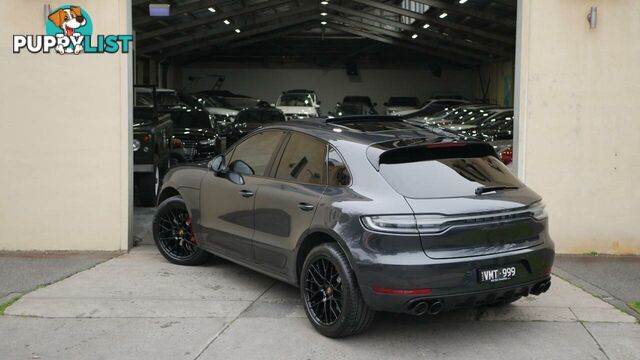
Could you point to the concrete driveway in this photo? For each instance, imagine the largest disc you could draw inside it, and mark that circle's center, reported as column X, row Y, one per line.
column 138, row 306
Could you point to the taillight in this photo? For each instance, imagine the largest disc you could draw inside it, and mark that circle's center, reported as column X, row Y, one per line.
column 506, row 155
column 177, row 143
column 146, row 138
column 387, row 291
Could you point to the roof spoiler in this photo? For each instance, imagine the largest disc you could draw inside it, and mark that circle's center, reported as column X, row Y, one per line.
column 431, row 151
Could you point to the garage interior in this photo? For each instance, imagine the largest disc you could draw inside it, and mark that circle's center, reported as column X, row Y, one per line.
column 260, row 48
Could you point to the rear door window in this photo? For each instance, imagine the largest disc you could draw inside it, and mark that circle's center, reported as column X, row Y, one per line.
column 304, row 160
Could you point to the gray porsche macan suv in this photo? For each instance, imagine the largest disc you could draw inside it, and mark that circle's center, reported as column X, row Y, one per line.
column 363, row 214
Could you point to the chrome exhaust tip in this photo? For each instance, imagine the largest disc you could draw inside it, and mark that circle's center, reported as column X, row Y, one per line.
column 436, row 307
column 420, row 308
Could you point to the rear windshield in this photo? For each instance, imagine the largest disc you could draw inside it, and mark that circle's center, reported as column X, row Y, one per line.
column 455, row 177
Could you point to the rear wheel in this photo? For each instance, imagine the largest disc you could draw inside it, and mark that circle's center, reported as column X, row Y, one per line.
column 330, row 293
column 173, row 234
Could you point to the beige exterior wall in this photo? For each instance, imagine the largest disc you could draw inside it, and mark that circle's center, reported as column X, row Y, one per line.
column 64, row 120
column 579, row 130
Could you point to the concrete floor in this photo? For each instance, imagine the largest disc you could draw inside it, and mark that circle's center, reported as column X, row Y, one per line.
column 140, row 306
column 617, row 275
column 23, row 271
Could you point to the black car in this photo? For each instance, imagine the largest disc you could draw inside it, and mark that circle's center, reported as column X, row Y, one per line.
column 363, row 214
column 235, row 101
column 250, row 120
column 199, row 137
column 364, row 102
column 152, row 148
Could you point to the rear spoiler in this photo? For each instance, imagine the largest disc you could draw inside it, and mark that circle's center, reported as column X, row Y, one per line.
column 427, row 151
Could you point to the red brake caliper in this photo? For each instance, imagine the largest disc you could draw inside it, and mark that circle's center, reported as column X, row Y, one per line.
column 193, row 236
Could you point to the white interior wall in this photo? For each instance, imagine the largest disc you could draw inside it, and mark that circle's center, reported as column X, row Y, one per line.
column 333, row 84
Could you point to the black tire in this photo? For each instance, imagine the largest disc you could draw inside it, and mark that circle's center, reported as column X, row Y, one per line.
column 173, row 234
column 149, row 185
column 346, row 313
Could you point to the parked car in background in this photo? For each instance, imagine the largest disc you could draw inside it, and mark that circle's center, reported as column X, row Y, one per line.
column 235, row 101
column 350, row 109
column 250, row 120
column 431, row 107
column 365, row 101
column 355, row 105
column 221, row 111
column 397, row 104
column 381, row 215
column 152, row 132
column 444, row 116
column 473, row 119
column 198, row 138
column 300, row 104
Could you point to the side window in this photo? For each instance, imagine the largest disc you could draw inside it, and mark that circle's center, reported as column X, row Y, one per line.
column 252, row 156
column 304, row 160
column 338, row 174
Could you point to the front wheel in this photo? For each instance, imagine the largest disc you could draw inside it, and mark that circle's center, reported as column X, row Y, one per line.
column 173, row 234
column 330, row 293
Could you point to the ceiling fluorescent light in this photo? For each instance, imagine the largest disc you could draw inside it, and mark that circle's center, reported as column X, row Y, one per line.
column 425, row 26
column 159, row 9
column 237, row 31
column 443, row 15
column 212, row 9
column 226, row 22
column 414, row 36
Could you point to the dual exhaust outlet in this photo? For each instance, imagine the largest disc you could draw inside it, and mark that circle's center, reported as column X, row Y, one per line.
column 541, row 287
column 428, row 307
column 435, row 307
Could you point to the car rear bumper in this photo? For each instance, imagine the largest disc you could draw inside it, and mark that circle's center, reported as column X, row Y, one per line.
column 454, row 282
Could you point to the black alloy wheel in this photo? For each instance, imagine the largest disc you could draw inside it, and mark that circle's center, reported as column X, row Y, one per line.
column 323, row 291
column 330, row 293
column 174, row 236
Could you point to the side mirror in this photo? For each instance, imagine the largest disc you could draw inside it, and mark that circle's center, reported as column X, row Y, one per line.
column 218, row 165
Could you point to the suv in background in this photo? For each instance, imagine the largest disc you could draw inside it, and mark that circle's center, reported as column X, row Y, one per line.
column 298, row 104
column 401, row 103
column 431, row 107
column 249, row 120
column 152, row 132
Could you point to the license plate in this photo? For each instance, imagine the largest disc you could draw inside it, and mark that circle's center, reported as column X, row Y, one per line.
column 497, row 274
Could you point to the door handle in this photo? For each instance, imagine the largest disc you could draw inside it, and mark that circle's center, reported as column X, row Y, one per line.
column 305, row 206
column 246, row 193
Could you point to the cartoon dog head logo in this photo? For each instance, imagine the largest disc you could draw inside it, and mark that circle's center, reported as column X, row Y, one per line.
column 70, row 21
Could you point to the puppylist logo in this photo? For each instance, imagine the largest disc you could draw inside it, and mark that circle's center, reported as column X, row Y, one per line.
column 70, row 31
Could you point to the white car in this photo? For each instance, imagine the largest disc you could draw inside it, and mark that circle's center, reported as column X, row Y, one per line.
column 431, row 107
column 298, row 104
column 223, row 113
column 401, row 104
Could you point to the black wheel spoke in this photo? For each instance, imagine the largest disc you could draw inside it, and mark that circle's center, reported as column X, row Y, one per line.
column 323, row 291
column 175, row 234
